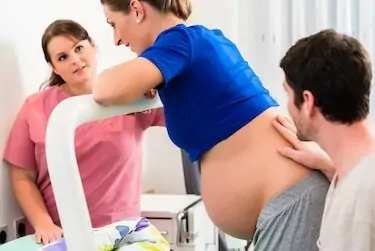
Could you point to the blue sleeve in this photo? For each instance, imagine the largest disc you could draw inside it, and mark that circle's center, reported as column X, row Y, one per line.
column 171, row 52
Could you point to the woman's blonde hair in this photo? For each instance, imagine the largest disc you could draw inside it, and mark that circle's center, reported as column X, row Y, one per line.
column 180, row 8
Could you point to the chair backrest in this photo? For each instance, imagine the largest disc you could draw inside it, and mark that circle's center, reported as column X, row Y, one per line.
column 62, row 162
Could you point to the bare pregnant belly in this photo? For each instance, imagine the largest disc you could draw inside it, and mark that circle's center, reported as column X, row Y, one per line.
column 241, row 174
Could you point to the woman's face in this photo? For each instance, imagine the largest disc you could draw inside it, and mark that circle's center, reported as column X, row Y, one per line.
column 73, row 60
column 130, row 29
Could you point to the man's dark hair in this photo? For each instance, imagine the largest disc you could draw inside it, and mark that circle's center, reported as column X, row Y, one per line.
column 336, row 69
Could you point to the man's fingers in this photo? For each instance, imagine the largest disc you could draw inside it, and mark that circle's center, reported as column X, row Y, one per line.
column 288, row 123
column 292, row 154
column 290, row 136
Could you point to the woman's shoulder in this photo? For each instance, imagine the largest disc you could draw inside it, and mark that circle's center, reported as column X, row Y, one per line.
column 49, row 97
column 50, row 93
column 189, row 31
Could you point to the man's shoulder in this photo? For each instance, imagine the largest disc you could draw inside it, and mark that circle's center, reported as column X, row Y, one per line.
column 358, row 187
column 349, row 213
column 367, row 162
column 364, row 173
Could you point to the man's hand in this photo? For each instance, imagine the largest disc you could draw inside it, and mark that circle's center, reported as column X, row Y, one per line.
column 306, row 153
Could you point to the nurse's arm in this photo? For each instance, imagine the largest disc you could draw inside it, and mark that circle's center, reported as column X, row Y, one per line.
column 126, row 82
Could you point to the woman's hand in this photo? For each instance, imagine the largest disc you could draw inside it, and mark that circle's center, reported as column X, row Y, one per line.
column 47, row 232
column 149, row 95
column 306, row 153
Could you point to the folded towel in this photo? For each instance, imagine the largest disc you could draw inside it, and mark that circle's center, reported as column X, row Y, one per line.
column 133, row 234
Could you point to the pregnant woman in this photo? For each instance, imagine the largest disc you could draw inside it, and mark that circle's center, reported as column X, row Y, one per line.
column 218, row 111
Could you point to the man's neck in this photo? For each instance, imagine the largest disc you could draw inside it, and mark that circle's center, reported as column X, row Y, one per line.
column 347, row 145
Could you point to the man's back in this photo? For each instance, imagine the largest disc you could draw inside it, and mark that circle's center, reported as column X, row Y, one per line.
column 349, row 217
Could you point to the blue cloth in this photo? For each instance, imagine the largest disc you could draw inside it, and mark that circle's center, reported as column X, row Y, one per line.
column 209, row 91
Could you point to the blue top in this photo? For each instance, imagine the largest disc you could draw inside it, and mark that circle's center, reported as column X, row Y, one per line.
column 209, row 91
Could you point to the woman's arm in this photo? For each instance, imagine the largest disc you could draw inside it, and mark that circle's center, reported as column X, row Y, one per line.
column 32, row 204
column 127, row 82
column 20, row 152
column 29, row 197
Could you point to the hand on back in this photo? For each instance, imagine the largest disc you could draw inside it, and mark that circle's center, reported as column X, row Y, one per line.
column 306, row 153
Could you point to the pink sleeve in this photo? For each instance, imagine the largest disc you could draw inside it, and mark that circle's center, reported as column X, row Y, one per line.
column 154, row 118
column 19, row 150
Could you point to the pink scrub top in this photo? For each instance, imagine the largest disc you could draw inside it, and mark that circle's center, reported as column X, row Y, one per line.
column 109, row 155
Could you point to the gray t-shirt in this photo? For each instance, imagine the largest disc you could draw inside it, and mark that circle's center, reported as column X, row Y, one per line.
column 348, row 222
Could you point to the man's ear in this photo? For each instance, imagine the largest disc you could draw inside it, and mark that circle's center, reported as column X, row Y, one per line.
column 308, row 105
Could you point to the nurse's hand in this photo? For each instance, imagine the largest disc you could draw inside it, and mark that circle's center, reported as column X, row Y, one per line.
column 306, row 153
column 47, row 233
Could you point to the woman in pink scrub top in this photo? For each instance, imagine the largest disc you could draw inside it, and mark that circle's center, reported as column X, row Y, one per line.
column 109, row 163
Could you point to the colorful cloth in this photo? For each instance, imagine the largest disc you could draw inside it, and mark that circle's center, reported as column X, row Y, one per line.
column 134, row 234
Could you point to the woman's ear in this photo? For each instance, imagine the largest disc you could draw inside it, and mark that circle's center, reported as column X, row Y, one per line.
column 92, row 42
column 54, row 69
column 138, row 9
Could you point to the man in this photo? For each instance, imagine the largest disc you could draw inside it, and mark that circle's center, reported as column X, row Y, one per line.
column 328, row 80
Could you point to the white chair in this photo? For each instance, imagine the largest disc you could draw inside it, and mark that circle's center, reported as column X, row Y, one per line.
column 62, row 163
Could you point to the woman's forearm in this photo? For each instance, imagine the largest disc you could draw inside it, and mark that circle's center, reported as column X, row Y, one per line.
column 126, row 82
column 31, row 201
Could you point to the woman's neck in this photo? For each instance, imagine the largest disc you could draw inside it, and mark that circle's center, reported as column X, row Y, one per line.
column 77, row 90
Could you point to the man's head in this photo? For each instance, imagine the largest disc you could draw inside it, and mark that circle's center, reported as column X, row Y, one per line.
column 328, row 79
